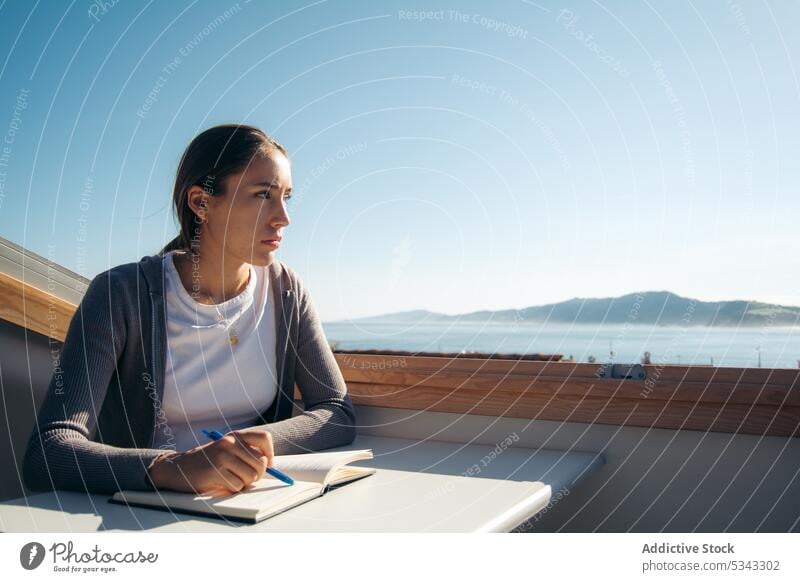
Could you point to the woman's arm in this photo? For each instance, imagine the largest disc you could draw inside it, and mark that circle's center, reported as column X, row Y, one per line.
column 328, row 419
column 60, row 454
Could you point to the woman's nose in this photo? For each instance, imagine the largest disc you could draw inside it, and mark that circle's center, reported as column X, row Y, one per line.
column 281, row 217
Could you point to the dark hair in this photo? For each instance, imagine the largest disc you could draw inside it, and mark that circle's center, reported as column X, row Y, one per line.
column 208, row 161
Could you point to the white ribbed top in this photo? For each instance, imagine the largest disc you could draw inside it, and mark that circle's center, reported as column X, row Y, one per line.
column 208, row 382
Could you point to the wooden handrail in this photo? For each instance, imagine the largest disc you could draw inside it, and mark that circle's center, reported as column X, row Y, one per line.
column 553, row 384
column 30, row 307
column 732, row 400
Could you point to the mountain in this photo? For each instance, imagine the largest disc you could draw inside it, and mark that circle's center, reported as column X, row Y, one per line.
column 645, row 308
column 415, row 316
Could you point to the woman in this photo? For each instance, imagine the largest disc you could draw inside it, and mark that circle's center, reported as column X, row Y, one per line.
column 211, row 333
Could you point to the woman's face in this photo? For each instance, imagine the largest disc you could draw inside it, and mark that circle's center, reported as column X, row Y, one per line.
column 252, row 211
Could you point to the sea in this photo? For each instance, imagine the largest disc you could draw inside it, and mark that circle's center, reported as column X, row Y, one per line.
column 750, row 347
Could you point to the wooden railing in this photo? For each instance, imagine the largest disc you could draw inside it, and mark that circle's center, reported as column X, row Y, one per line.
column 34, row 309
column 731, row 400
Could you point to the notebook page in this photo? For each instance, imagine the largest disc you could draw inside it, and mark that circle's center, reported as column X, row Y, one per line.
column 316, row 466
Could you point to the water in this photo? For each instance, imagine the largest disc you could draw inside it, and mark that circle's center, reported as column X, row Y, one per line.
column 779, row 347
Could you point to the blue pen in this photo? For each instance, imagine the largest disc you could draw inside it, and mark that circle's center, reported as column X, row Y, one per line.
column 216, row 435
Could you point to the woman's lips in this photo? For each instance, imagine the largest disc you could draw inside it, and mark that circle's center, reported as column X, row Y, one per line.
column 275, row 243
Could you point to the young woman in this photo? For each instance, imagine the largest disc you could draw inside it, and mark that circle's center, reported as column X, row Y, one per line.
column 211, row 333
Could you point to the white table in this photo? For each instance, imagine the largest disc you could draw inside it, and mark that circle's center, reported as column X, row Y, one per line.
column 419, row 486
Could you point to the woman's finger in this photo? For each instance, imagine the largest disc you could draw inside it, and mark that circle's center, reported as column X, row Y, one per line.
column 247, row 453
column 260, row 439
column 252, row 457
column 218, row 492
column 240, row 467
column 231, row 480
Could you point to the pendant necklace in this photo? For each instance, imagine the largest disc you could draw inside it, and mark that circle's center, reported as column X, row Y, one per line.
column 233, row 336
column 232, row 327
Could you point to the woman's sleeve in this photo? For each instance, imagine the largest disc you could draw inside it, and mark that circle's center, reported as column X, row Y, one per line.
column 60, row 454
column 328, row 419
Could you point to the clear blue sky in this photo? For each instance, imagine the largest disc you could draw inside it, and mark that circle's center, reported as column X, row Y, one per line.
column 492, row 155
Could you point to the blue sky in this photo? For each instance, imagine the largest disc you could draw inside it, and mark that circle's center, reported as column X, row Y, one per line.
column 475, row 156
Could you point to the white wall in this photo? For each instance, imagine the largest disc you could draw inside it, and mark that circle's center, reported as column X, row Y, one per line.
column 653, row 479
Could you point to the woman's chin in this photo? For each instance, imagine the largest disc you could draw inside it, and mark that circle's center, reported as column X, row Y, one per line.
column 265, row 259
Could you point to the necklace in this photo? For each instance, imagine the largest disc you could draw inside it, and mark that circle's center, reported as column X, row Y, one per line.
column 232, row 327
column 233, row 336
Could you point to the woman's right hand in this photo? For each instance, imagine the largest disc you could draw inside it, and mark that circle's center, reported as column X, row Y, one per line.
column 221, row 467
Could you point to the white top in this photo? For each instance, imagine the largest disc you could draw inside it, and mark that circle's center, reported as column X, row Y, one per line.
column 208, row 382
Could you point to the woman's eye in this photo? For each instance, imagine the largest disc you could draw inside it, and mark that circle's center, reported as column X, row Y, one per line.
column 266, row 193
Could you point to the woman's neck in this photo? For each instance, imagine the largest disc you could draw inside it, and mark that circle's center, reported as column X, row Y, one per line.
column 212, row 278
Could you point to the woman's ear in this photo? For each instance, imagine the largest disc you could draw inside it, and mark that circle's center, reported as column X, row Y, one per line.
column 198, row 202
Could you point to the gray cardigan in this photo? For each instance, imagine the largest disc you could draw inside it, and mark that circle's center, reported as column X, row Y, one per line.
column 97, row 425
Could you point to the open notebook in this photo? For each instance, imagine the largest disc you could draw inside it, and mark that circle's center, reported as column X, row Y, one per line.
column 313, row 474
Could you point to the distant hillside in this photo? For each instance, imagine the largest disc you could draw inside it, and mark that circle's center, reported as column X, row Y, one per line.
column 646, row 308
